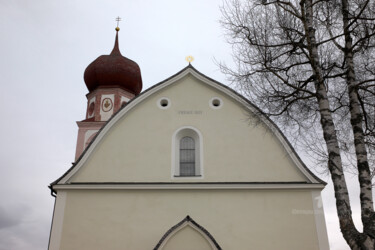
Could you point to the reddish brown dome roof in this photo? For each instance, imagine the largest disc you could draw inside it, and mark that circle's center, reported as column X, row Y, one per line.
column 114, row 70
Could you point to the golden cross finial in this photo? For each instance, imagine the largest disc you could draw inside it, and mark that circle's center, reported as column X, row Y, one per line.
column 118, row 19
column 189, row 59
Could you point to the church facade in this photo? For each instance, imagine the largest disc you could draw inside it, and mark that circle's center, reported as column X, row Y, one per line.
column 181, row 166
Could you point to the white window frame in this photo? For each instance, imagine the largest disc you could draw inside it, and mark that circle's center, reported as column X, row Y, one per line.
column 177, row 136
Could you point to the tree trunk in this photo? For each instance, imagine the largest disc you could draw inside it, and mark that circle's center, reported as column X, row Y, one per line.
column 344, row 212
column 356, row 120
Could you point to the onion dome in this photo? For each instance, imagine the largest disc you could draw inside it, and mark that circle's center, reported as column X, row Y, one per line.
column 114, row 70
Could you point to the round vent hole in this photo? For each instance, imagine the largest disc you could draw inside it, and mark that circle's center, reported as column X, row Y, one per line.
column 164, row 103
column 216, row 103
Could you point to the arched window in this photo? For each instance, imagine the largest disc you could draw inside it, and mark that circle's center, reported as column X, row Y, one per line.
column 187, row 156
column 187, row 153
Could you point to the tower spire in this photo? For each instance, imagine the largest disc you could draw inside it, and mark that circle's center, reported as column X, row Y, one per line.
column 116, row 49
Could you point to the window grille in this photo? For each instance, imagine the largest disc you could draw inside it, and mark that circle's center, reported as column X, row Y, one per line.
column 187, row 156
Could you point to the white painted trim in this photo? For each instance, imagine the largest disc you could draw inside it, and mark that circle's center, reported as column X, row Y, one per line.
column 209, row 82
column 57, row 221
column 175, row 160
column 320, row 222
column 187, row 186
column 187, row 224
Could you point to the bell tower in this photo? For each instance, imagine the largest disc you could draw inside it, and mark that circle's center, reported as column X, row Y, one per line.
column 112, row 80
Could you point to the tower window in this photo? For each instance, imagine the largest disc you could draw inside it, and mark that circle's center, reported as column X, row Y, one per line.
column 187, row 156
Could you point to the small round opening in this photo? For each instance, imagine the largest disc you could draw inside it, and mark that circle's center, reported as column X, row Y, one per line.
column 164, row 103
column 216, row 103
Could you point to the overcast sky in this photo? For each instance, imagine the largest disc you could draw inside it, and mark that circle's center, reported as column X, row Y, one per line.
column 45, row 47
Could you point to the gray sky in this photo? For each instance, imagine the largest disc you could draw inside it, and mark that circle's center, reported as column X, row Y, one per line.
column 45, row 47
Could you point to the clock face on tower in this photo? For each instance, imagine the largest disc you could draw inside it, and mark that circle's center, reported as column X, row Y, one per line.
column 107, row 104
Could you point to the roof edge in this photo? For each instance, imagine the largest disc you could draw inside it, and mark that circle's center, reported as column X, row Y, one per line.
column 249, row 105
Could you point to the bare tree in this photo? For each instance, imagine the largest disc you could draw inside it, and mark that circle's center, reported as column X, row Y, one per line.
column 358, row 34
column 298, row 61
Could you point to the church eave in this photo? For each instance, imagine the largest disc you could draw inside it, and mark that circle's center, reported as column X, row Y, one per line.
column 188, row 186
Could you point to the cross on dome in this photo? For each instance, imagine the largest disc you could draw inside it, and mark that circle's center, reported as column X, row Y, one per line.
column 118, row 19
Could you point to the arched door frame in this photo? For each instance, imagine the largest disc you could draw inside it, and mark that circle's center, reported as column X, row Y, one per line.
column 187, row 221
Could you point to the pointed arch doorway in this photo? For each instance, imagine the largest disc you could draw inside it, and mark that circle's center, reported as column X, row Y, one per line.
column 187, row 235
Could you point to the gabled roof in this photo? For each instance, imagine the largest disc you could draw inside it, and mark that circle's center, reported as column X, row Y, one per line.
column 205, row 79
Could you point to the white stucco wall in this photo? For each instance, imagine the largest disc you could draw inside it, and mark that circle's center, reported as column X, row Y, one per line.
column 187, row 239
column 134, row 219
column 139, row 146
